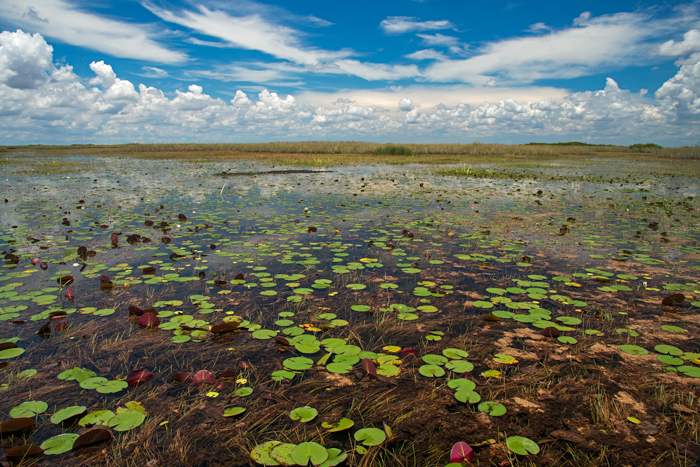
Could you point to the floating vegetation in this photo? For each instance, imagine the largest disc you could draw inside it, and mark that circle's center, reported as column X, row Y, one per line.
column 375, row 315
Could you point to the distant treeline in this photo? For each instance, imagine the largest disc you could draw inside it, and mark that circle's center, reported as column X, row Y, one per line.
column 578, row 143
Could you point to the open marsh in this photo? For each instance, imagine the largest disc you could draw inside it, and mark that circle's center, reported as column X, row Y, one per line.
column 154, row 313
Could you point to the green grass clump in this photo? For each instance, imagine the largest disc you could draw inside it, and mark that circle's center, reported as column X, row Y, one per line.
column 392, row 150
column 645, row 146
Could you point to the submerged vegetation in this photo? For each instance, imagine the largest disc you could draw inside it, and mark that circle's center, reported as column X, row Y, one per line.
column 525, row 312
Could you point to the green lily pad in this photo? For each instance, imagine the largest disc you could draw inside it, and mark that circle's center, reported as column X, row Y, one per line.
column 261, row 453
column 233, row 411
column 461, row 383
column 99, row 417
column 303, row 414
column 126, row 420
column 59, row 444
column 298, row 363
column 432, row 359
column 634, row 349
column 522, row 446
column 309, row 452
column 370, row 436
column 668, row 349
column 459, row 366
column 669, row 328
column 29, row 409
column 692, row 371
column 11, row 353
column 454, row 353
column 68, row 412
column 340, row 425
column 492, row 408
column 465, row 395
column 243, row 392
column 431, row 371
column 282, row 453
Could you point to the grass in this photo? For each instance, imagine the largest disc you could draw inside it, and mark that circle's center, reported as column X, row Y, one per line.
column 367, row 152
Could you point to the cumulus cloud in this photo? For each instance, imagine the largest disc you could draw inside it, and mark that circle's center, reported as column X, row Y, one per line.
column 413, row 116
column 405, row 104
column 395, row 25
column 680, row 95
column 59, row 107
column 66, row 22
column 689, row 44
column 241, row 99
column 25, row 60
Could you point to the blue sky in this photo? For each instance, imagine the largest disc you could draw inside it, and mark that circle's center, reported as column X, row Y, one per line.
column 393, row 71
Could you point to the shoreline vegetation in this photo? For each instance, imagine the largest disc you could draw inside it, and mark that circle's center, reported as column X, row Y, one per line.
column 350, row 153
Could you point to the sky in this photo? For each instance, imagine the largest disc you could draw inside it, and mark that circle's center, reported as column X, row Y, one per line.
column 400, row 71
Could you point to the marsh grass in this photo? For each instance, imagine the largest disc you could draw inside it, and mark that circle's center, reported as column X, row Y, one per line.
column 368, row 152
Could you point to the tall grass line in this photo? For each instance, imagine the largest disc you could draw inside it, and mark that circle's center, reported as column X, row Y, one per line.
column 361, row 148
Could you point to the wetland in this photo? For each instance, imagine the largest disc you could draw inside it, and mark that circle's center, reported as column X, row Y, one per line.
column 541, row 308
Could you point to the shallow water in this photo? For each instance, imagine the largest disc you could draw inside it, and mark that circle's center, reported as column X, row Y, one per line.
column 300, row 240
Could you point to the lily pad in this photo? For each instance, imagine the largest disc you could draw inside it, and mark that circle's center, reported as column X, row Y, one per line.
column 522, row 446
column 341, row 425
column 59, row 444
column 309, row 452
column 29, row 409
column 303, row 414
column 370, row 436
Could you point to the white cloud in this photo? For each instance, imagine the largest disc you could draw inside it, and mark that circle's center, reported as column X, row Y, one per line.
column 680, row 95
column 604, row 41
column 251, row 32
column 439, row 40
column 152, row 72
column 25, row 60
column 538, row 28
column 64, row 21
column 61, row 109
column 413, row 116
column 689, row 44
column 241, row 99
column 427, row 54
column 402, row 24
column 406, row 104
column 377, row 71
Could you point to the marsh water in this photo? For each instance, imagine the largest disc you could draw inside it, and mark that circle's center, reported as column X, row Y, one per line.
column 339, row 266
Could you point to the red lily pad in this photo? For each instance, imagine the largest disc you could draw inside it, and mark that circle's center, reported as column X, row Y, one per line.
column 65, row 280
column 24, row 451
column 203, row 376
column 137, row 377
column 18, row 425
column 369, row 367
column 461, row 451
column 148, row 320
column 92, row 437
column 224, row 327
column 227, row 374
column 673, row 300
column 409, row 352
column 181, row 377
